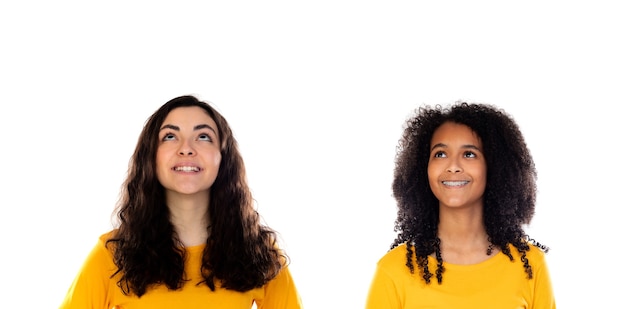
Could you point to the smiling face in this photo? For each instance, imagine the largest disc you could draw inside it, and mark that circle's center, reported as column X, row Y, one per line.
column 457, row 171
column 188, row 155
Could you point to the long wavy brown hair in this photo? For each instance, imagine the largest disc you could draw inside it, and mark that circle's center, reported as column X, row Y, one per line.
column 510, row 193
column 240, row 254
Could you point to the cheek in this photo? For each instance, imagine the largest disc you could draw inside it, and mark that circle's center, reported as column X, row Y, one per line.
column 160, row 162
column 432, row 170
column 159, row 159
column 481, row 177
column 433, row 175
column 215, row 157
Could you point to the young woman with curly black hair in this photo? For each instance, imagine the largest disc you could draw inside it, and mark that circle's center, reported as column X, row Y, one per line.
column 188, row 234
column 464, row 183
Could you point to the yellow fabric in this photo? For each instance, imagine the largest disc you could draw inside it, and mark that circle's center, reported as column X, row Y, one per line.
column 495, row 283
column 93, row 288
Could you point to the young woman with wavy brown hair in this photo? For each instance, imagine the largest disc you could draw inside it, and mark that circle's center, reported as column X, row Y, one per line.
column 188, row 235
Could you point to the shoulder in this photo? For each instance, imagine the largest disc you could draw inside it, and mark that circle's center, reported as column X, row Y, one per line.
column 399, row 252
column 392, row 276
column 105, row 237
column 102, row 242
column 99, row 261
column 394, row 261
column 108, row 235
column 535, row 255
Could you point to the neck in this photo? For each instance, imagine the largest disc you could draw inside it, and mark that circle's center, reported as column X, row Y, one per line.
column 190, row 217
column 463, row 236
column 461, row 224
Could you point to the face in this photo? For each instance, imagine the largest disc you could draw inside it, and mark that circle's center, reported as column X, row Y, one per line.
column 457, row 171
column 188, row 156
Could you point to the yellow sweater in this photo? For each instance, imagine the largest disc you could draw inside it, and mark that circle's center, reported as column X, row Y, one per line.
column 495, row 283
column 94, row 289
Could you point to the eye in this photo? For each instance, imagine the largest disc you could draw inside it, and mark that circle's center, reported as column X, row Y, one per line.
column 439, row 154
column 168, row 137
column 469, row 154
column 205, row 137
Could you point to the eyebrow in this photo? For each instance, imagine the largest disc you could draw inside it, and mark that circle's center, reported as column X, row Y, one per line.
column 442, row 145
column 196, row 128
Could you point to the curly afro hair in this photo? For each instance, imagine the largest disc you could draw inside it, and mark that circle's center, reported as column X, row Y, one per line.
column 510, row 193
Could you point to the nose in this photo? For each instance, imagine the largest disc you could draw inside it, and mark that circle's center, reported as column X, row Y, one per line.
column 454, row 167
column 186, row 149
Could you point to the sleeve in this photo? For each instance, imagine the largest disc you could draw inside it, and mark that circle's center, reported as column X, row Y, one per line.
column 543, row 294
column 89, row 289
column 383, row 292
column 280, row 293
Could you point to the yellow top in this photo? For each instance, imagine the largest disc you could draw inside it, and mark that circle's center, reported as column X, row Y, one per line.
column 94, row 288
column 495, row 283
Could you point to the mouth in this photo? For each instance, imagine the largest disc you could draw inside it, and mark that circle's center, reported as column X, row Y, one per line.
column 457, row 183
column 186, row 169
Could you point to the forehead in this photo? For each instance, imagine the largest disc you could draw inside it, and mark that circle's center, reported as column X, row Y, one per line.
column 451, row 132
column 189, row 114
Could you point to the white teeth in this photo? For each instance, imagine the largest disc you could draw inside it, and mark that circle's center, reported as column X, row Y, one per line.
column 455, row 183
column 187, row 169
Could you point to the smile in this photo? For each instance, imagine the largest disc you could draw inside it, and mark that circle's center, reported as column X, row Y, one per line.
column 455, row 183
column 187, row 169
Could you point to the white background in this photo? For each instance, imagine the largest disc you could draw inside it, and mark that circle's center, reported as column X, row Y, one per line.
column 316, row 93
